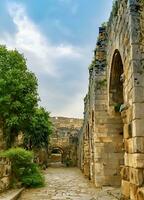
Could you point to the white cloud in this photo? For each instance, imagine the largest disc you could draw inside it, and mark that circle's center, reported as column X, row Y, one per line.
column 40, row 53
column 75, row 106
column 43, row 58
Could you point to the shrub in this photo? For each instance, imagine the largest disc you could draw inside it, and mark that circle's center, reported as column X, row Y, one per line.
column 38, row 130
column 23, row 169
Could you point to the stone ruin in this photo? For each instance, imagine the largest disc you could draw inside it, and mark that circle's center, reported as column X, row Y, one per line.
column 64, row 141
column 5, row 167
column 110, row 146
column 111, row 143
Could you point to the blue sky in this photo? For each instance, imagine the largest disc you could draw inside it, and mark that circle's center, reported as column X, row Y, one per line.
column 57, row 37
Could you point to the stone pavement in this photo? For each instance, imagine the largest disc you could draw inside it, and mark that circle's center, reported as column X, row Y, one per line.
column 68, row 184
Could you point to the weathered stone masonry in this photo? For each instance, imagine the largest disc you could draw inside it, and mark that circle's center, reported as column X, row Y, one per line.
column 5, row 167
column 64, row 140
column 112, row 138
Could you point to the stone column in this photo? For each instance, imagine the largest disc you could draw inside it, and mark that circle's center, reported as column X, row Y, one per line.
column 133, row 177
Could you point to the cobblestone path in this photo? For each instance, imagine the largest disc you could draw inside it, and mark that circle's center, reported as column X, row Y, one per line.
column 68, row 184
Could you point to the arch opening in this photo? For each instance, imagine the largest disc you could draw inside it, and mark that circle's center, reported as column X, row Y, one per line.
column 56, row 155
column 116, row 81
column 116, row 101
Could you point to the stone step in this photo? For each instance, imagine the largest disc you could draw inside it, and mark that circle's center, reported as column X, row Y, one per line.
column 56, row 164
column 13, row 194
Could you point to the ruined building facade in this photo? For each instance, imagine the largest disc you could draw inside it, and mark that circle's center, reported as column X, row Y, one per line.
column 63, row 142
column 111, row 144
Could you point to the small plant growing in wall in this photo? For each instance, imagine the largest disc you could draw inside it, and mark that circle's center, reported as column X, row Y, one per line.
column 104, row 24
column 119, row 107
column 100, row 84
column 115, row 8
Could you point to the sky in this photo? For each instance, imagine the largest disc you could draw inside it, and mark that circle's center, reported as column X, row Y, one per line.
column 57, row 37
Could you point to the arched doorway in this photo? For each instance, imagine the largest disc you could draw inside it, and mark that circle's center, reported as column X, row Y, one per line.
column 56, row 155
column 116, row 81
column 116, row 103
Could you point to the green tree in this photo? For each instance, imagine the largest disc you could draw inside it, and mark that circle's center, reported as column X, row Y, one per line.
column 38, row 130
column 18, row 93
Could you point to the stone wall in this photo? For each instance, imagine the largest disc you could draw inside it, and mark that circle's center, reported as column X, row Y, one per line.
column 101, row 132
column 112, row 136
column 65, row 139
column 5, row 167
column 83, row 153
column 5, row 172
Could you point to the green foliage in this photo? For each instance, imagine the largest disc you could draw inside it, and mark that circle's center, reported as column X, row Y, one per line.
column 115, row 8
column 23, row 169
column 142, row 1
column 104, row 24
column 117, row 107
column 38, row 130
column 33, row 180
column 18, row 93
column 100, row 84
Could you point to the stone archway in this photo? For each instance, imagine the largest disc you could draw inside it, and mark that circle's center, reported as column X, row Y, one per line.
column 116, row 96
column 117, row 107
column 116, row 92
column 56, row 155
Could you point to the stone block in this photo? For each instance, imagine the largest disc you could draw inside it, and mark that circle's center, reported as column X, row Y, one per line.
column 138, row 110
column 134, row 160
column 107, row 181
column 133, row 191
column 129, row 114
column 114, row 181
column 138, row 145
column 125, row 173
column 138, row 127
column 4, row 183
column 140, row 194
column 138, row 95
column 127, row 159
column 138, row 160
column 136, row 176
column 118, row 146
column 113, row 145
column 125, row 188
column 112, row 171
column 127, row 131
column 134, row 145
column 128, row 145
column 114, row 160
